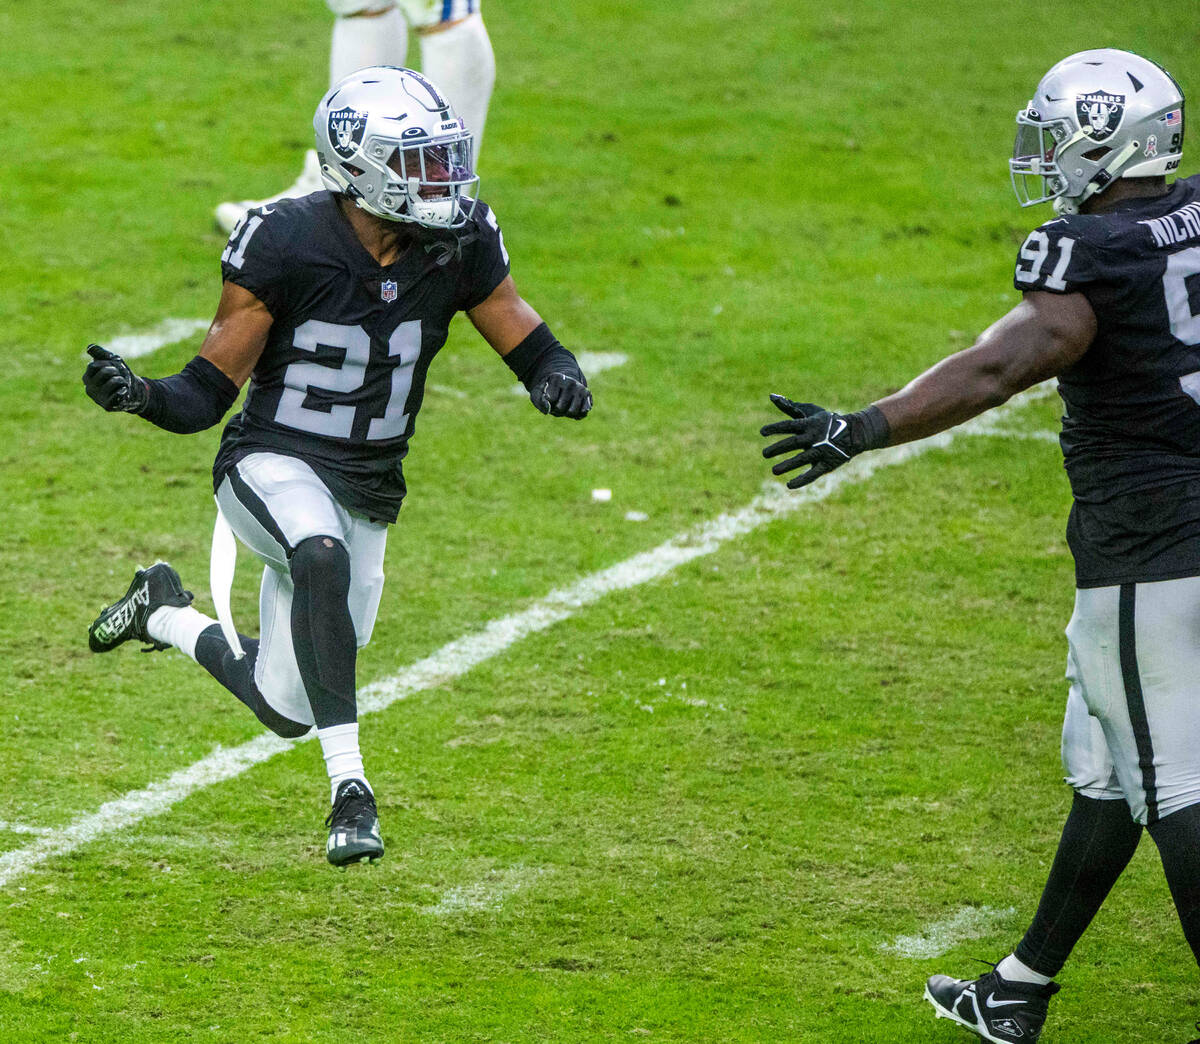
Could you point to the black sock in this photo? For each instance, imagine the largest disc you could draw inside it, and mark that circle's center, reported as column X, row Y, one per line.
column 1098, row 840
column 323, row 630
column 215, row 656
column 1178, row 840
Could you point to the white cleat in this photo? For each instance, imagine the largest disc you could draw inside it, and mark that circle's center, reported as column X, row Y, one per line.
column 229, row 214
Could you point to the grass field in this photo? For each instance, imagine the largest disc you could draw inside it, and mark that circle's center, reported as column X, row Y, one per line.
column 701, row 808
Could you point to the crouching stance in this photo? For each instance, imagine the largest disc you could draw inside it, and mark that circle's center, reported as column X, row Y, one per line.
column 336, row 304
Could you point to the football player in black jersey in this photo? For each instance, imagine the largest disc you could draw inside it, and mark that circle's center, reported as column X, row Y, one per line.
column 333, row 306
column 1111, row 308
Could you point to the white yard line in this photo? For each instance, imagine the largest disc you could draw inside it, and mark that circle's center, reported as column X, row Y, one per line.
column 591, row 363
column 23, row 828
column 461, row 655
column 486, row 894
column 1029, row 436
column 999, row 426
column 454, row 393
column 971, row 922
column 169, row 331
column 598, row 362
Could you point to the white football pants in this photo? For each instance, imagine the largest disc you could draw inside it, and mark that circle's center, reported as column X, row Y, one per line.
column 273, row 502
column 1132, row 726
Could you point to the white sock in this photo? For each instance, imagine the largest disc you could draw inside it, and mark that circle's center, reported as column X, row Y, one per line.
column 1012, row 970
column 363, row 40
column 179, row 626
column 343, row 760
column 460, row 63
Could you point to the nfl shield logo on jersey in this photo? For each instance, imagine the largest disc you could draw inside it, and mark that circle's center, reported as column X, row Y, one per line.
column 346, row 128
column 389, row 290
column 1099, row 113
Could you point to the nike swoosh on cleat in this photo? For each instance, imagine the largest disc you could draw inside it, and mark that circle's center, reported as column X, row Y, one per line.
column 992, row 1003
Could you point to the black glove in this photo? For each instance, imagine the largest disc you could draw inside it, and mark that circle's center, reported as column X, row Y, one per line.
column 562, row 396
column 110, row 382
column 827, row 440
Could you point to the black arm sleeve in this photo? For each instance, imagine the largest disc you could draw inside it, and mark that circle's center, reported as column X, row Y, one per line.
column 192, row 400
column 538, row 356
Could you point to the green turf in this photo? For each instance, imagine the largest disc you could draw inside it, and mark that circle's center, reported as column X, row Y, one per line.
column 697, row 810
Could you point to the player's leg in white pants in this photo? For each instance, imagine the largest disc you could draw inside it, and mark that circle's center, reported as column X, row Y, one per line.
column 1138, row 648
column 365, row 32
column 1098, row 839
column 278, row 507
column 459, row 61
column 1087, row 764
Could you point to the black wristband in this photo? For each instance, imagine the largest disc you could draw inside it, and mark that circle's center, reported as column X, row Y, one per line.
column 540, row 355
column 192, row 400
column 872, row 430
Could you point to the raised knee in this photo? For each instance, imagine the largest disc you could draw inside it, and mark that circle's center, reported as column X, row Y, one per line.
column 322, row 563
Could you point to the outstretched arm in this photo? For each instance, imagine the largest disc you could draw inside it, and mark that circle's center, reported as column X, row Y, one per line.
column 202, row 392
column 1040, row 338
column 550, row 373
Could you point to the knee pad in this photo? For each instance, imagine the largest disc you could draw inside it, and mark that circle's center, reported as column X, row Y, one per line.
column 321, row 563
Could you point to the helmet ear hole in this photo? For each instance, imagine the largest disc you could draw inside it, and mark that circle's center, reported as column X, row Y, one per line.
column 1096, row 155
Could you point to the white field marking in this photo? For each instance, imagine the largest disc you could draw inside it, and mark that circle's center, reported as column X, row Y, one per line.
column 462, row 654
column 487, row 894
column 598, row 362
column 23, row 828
column 445, row 389
column 971, row 922
column 990, row 424
column 130, row 346
column 1035, row 435
column 591, row 363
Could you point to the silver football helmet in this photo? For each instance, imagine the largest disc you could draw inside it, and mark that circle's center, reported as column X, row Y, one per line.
column 1095, row 117
column 388, row 139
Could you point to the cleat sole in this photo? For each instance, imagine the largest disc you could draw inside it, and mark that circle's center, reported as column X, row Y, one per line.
column 942, row 1013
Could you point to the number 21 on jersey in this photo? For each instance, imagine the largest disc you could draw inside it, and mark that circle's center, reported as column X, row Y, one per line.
column 337, row 421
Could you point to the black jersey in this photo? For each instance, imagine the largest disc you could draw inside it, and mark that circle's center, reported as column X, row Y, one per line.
column 1131, row 434
column 342, row 375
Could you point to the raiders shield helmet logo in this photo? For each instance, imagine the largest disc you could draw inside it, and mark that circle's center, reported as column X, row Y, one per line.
column 346, row 128
column 1099, row 113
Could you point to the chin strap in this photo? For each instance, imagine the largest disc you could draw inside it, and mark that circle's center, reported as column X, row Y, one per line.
column 1100, row 180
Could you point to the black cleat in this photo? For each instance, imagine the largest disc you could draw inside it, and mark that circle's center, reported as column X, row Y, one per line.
column 991, row 1007
column 126, row 618
column 353, row 826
